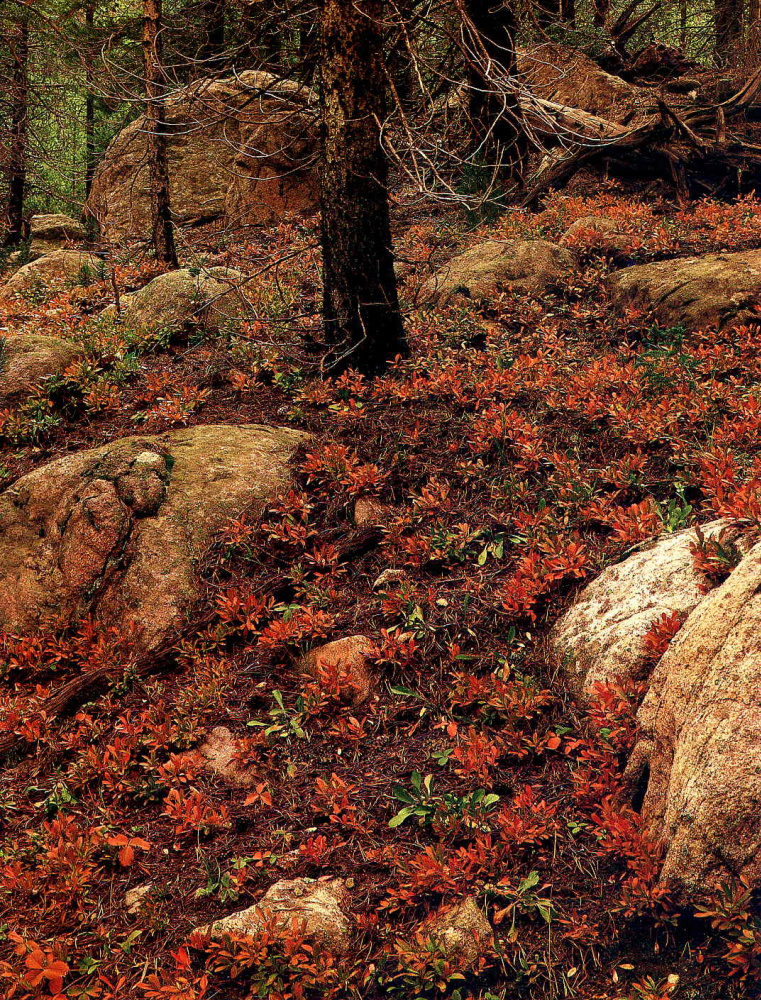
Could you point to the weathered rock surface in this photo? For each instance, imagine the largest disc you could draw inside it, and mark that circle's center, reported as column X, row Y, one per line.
column 602, row 636
column 319, row 908
column 530, row 266
column 700, row 743
column 117, row 531
column 239, row 147
column 26, row 360
column 711, row 292
column 569, row 77
column 52, row 232
column 218, row 754
column 56, row 228
column 179, row 300
column 348, row 661
column 135, row 898
column 58, row 268
column 462, row 932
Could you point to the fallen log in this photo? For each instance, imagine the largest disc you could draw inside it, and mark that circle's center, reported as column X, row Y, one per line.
column 704, row 129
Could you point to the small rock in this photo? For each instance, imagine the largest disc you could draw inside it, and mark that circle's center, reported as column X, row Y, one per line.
column 715, row 291
column 319, row 909
column 57, row 268
column 368, row 511
column 218, row 752
column 389, row 577
column 26, row 360
column 349, row 659
column 181, row 300
column 134, row 898
column 57, row 228
column 461, row 931
column 530, row 266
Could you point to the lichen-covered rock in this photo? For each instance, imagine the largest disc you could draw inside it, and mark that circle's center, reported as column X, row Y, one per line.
column 716, row 291
column 209, row 299
column 118, row 531
column 62, row 267
column 318, row 908
column 699, row 749
column 240, row 147
column 27, row 359
column 52, row 232
column 530, row 266
column 56, row 228
column 348, row 662
column 461, row 931
column 218, row 753
column 602, row 636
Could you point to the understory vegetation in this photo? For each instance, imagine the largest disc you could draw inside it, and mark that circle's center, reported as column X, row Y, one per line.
column 518, row 450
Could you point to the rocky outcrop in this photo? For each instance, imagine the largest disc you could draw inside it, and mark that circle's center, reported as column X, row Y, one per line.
column 239, row 148
column 52, row 232
column 177, row 301
column 712, row 292
column 530, row 266
column 569, row 77
column 57, row 269
column 601, row 638
column 319, row 910
column 26, row 360
column 699, row 751
column 117, row 531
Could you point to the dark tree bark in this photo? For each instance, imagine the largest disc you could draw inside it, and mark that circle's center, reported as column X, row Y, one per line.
column 17, row 153
column 754, row 31
column 362, row 320
column 89, row 102
column 162, row 231
column 496, row 116
column 601, row 11
column 727, row 19
column 214, row 17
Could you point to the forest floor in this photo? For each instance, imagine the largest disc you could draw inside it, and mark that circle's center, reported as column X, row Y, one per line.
column 520, row 449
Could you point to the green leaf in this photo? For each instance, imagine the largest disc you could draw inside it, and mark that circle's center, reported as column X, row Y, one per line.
column 403, row 795
column 401, row 816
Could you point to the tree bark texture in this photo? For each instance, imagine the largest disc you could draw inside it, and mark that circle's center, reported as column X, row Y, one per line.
column 362, row 320
column 19, row 133
column 496, row 116
column 162, row 231
column 727, row 19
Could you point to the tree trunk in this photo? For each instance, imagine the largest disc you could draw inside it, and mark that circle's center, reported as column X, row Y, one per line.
column 162, row 232
column 361, row 315
column 754, row 31
column 17, row 153
column 213, row 48
column 89, row 102
column 496, row 116
column 727, row 19
column 601, row 11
